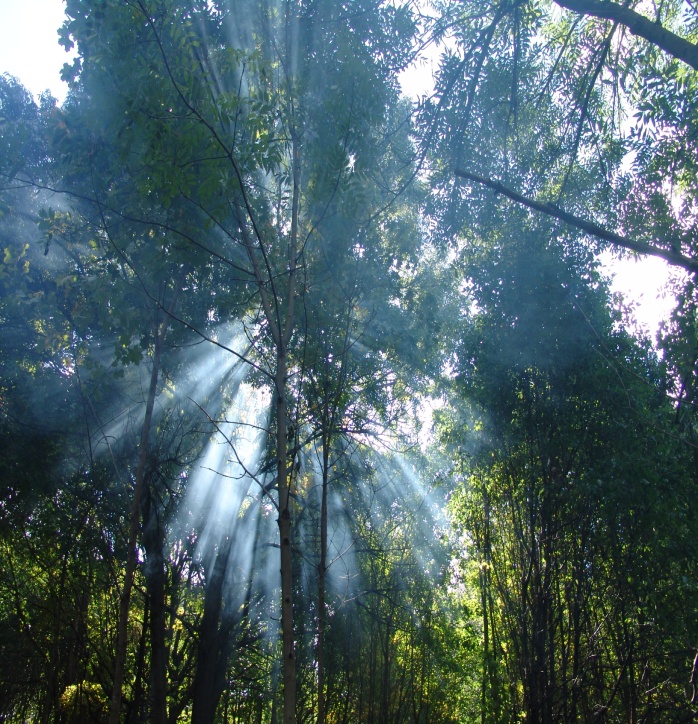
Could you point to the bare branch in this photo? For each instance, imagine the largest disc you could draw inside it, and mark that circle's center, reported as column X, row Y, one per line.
column 556, row 212
column 639, row 25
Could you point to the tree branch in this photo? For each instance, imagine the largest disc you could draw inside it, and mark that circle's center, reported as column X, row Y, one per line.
column 589, row 227
column 639, row 25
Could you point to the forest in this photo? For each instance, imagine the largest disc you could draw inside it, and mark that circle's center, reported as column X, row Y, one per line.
column 315, row 403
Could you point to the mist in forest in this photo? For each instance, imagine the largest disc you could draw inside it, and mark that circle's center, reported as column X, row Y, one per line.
column 315, row 403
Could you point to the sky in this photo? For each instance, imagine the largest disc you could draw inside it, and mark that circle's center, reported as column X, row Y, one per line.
column 29, row 47
column 642, row 281
column 29, row 50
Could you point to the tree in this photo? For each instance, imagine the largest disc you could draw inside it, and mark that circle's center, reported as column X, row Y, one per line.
column 234, row 137
column 571, row 447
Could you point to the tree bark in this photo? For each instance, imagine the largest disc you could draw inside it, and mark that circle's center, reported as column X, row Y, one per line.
column 153, row 543
column 206, row 694
column 284, row 522
column 639, row 25
column 131, row 559
column 134, row 519
column 685, row 262
column 322, row 571
column 136, row 710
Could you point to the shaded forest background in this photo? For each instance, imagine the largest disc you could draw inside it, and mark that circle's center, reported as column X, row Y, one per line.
column 314, row 403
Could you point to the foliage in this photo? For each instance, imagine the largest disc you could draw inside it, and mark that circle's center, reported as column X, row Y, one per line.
column 237, row 272
column 563, row 433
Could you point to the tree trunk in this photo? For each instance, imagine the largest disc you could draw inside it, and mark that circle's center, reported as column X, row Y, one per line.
column 131, row 559
column 206, row 693
column 153, row 542
column 322, row 570
column 136, row 711
column 484, row 590
column 279, row 312
column 159, row 330
column 284, row 521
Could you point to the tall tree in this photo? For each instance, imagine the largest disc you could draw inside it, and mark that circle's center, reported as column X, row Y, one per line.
column 236, row 137
column 553, row 487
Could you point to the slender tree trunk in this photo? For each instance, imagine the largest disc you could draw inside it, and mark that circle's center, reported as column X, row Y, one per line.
column 51, row 704
column 155, row 579
column 205, row 697
column 284, row 521
column 158, row 648
column 385, row 684
column 280, row 315
column 131, row 559
column 137, row 709
column 285, row 333
column 134, row 519
column 484, row 579
column 322, row 570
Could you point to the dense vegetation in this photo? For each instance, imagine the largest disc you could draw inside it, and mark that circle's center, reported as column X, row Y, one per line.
column 314, row 404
